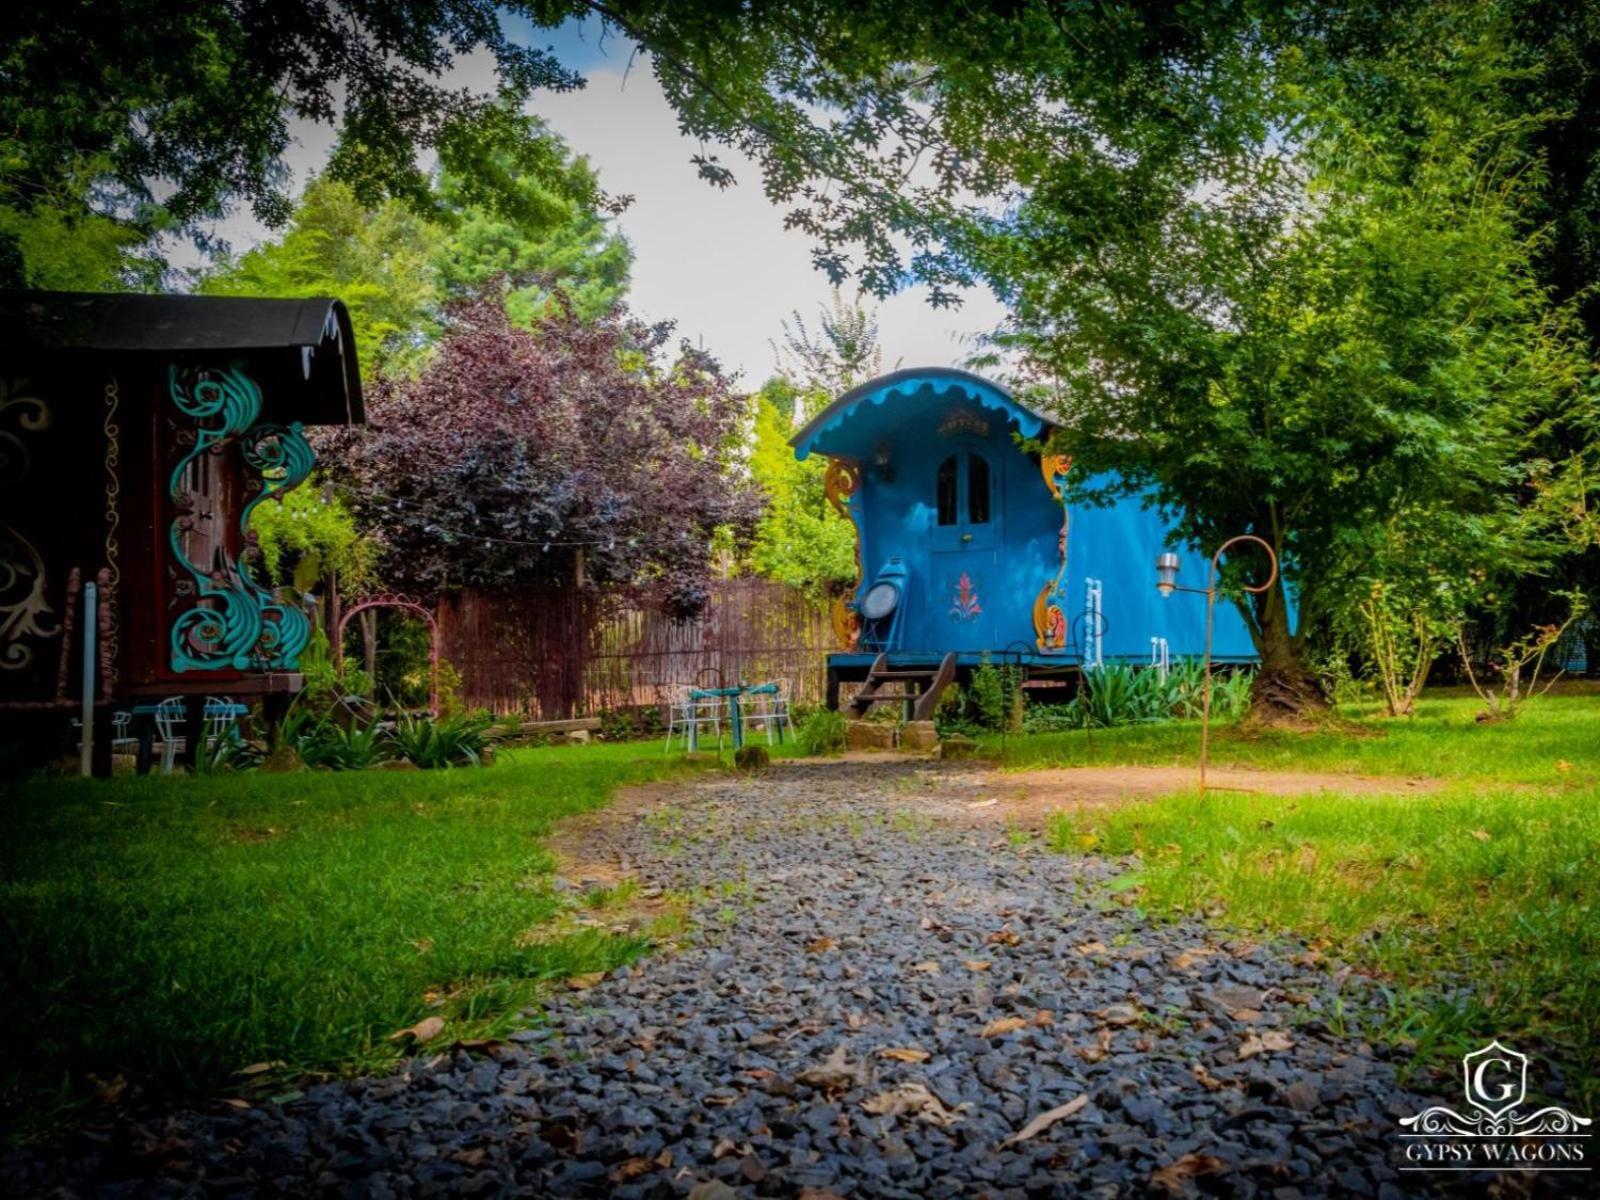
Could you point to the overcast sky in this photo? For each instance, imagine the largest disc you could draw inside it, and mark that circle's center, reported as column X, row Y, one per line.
column 719, row 262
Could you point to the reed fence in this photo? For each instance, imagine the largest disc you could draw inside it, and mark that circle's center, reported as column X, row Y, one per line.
column 566, row 652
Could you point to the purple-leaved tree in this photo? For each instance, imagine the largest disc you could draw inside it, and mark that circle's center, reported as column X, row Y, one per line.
column 540, row 456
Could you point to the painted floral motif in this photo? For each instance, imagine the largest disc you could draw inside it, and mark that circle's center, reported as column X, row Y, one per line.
column 964, row 603
column 1049, row 622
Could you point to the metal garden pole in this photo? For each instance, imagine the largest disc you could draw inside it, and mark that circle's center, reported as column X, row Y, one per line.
column 1167, row 583
column 86, row 745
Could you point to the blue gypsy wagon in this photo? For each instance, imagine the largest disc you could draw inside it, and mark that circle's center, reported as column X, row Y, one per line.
column 968, row 548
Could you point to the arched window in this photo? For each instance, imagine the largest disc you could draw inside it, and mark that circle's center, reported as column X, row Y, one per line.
column 946, row 490
column 975, row 498
column 977, row 490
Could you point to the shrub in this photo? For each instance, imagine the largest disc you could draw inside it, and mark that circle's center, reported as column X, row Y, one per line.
column 344, row 748
column 991, row 701
column 1054, row 718
column 447, row 742
column 822, row 732
column 1118, row 694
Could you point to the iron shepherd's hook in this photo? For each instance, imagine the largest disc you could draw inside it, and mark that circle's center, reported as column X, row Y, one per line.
column 1167, row 584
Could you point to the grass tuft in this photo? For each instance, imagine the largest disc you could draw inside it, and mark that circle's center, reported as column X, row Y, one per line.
column 1476, row 903
column 173, row 931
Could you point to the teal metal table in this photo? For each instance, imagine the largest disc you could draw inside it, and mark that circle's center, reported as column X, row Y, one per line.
column 734, row 722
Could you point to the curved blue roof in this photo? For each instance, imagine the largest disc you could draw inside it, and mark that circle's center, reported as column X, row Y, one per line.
column 906, row 383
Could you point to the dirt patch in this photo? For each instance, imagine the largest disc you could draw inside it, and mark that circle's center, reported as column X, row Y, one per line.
column 590, row 857
column 589, row 853
column 1030, row 796
column 977, row 793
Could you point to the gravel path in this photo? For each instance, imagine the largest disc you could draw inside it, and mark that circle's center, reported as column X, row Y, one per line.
column 881, row 991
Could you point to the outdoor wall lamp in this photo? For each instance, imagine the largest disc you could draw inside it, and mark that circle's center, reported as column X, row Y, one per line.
column 1166, row 573
column 1167, row 583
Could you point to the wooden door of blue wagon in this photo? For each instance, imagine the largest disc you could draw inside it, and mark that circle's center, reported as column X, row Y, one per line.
column 964, row 539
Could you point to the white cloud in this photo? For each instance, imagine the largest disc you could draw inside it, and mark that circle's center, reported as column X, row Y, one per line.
column 720, row 263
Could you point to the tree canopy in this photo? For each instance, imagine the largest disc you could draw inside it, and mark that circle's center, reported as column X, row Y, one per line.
column 526, row 456
column 162, row 116
column 1279, row 265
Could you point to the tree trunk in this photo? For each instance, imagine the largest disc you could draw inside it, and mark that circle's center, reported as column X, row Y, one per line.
column 369, row 644
column 1285, row 691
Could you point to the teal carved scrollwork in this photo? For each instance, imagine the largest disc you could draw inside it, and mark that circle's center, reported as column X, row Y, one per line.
column 220, row 632
column 283, row 458
column 237, row 624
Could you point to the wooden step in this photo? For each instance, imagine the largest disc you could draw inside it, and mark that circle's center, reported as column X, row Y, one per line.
column 924, row 699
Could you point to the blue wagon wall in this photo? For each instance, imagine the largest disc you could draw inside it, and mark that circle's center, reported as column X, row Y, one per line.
column 988, row 577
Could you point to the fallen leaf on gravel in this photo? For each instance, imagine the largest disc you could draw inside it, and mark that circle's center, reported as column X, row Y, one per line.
column 424, row 1030
column 1227, row 998
column 712, row 1189
column 821, row 944
column 913, row 1099
column 1175, row 1175
column 905, row 1054
column 630, row 1168
column 588, row 979
column 470, row 1158
column 260, row 1068
column 1248, row 1016
column 1044, row 1017
column 1119, row 1014
column 236, row 1102
column 926, row 968
column 1003, row 1025
column 1205, row 1078
column 1089, row 948
column 989, row 803
column 724, row 1148
column 1191, row 958
column 1270, row 1042
column 836, row 1073
column 1102, row 1047
column 974, row 964
column 1482, row 835
column 1046, row 1119
column 1003, row 937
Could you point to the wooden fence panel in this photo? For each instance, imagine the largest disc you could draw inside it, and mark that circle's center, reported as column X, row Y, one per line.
column 563, row 652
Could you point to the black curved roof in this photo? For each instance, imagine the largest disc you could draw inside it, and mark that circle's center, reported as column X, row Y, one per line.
column 309, row 340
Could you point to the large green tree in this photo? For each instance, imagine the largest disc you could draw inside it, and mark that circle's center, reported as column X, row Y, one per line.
column 799, row 539
column 162, row 115
column 395, row 268
column 1273, row 263
column 378, row 260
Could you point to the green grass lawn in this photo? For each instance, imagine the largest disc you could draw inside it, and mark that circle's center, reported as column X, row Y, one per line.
column 174, row 930
column 1490, row 882
column 1556, row 741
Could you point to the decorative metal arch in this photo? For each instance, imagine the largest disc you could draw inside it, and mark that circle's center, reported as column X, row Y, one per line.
column 409, row 604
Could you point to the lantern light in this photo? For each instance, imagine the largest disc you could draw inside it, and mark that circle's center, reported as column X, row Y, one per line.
column 1166, row 573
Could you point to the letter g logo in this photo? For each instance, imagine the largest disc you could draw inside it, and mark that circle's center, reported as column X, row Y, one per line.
column 1495, row 1079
